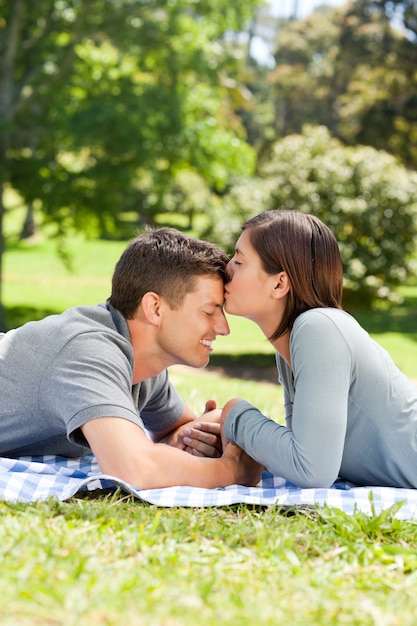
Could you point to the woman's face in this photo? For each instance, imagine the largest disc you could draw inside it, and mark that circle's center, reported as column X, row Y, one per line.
column 249, row 291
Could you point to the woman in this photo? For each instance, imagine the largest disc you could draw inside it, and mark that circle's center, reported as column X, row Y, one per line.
column 350, row 412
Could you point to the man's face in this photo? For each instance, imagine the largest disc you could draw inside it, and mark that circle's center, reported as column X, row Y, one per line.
column 186, row 333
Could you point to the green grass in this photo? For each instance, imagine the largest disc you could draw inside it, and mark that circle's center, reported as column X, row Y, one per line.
column 37, row 282
column 112, row 560
column 106, row 559
column 197, row 387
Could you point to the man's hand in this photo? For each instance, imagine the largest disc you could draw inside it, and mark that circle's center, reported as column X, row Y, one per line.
column 202, row 439
column 247, row 470
column 251, row 469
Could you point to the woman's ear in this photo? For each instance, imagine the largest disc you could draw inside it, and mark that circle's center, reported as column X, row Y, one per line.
column 282, row 285
column 151, row 307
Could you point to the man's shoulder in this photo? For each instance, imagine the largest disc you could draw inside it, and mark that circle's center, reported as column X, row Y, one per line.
column 75, row 321
column 94, row 320
column 96, row 313
column 91, row 317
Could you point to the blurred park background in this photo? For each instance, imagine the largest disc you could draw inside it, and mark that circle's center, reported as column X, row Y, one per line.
column 116, row 114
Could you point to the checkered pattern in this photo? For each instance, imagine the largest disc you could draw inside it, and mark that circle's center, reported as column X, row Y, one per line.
column 30, row 479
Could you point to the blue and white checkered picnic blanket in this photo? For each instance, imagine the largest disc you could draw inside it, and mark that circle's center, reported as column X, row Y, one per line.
column 31, row 479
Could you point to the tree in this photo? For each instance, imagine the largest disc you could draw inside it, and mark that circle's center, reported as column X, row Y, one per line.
column 32, row 55
column 378, row 107
column 351, row 69
column 97, row 98
column 305, row 81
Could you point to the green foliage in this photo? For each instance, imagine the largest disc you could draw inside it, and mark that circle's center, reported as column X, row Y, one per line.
column 113, row 114
column 303, row 83
column 364, row 195
column 353, row 70
column 112, row 95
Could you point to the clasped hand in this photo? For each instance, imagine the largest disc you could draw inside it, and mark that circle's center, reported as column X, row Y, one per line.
column 204, row 436
column 201, row 437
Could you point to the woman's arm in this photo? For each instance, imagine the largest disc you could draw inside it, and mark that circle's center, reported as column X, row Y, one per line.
column 310, row 453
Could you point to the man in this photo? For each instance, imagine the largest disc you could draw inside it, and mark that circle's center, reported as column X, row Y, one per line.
column 95, row 378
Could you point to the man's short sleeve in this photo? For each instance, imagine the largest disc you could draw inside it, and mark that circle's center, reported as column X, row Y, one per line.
column 159, row 403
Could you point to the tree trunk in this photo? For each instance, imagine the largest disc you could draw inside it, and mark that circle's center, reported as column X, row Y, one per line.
column 28, row 228
column 7, row 108
column 2, row 210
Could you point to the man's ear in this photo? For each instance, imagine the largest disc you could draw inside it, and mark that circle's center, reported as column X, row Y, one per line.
column 151, row 307
column 281, row 286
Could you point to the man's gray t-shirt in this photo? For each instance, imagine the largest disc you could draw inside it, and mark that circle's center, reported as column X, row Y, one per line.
column 58, row 373
column 350, row 411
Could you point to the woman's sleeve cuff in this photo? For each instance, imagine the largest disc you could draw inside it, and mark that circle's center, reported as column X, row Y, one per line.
column 232, row 419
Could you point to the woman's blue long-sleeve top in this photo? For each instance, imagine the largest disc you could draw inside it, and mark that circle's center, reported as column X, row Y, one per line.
column 350, row 412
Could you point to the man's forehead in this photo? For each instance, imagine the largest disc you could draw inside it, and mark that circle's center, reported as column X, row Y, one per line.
column 209, row 288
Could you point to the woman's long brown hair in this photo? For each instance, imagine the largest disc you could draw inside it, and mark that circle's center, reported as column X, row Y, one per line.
column 306, row 249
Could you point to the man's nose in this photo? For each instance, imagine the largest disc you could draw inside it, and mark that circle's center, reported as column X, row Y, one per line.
column 222, row 326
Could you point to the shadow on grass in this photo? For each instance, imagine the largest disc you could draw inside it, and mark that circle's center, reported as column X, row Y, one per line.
column 245, row 366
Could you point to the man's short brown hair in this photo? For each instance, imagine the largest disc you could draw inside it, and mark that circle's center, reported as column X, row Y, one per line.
column 167, row 262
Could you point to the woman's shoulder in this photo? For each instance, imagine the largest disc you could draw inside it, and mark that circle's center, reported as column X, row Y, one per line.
column 329, row 321
column 328, row 315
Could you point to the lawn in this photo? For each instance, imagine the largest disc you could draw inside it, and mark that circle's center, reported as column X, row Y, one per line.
column 107, row 559
column 112, row 561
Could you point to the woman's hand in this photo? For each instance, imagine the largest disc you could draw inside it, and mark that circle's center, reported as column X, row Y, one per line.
column 200, row 437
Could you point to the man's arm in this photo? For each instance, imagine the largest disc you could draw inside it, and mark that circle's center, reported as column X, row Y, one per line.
column 123, row 450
